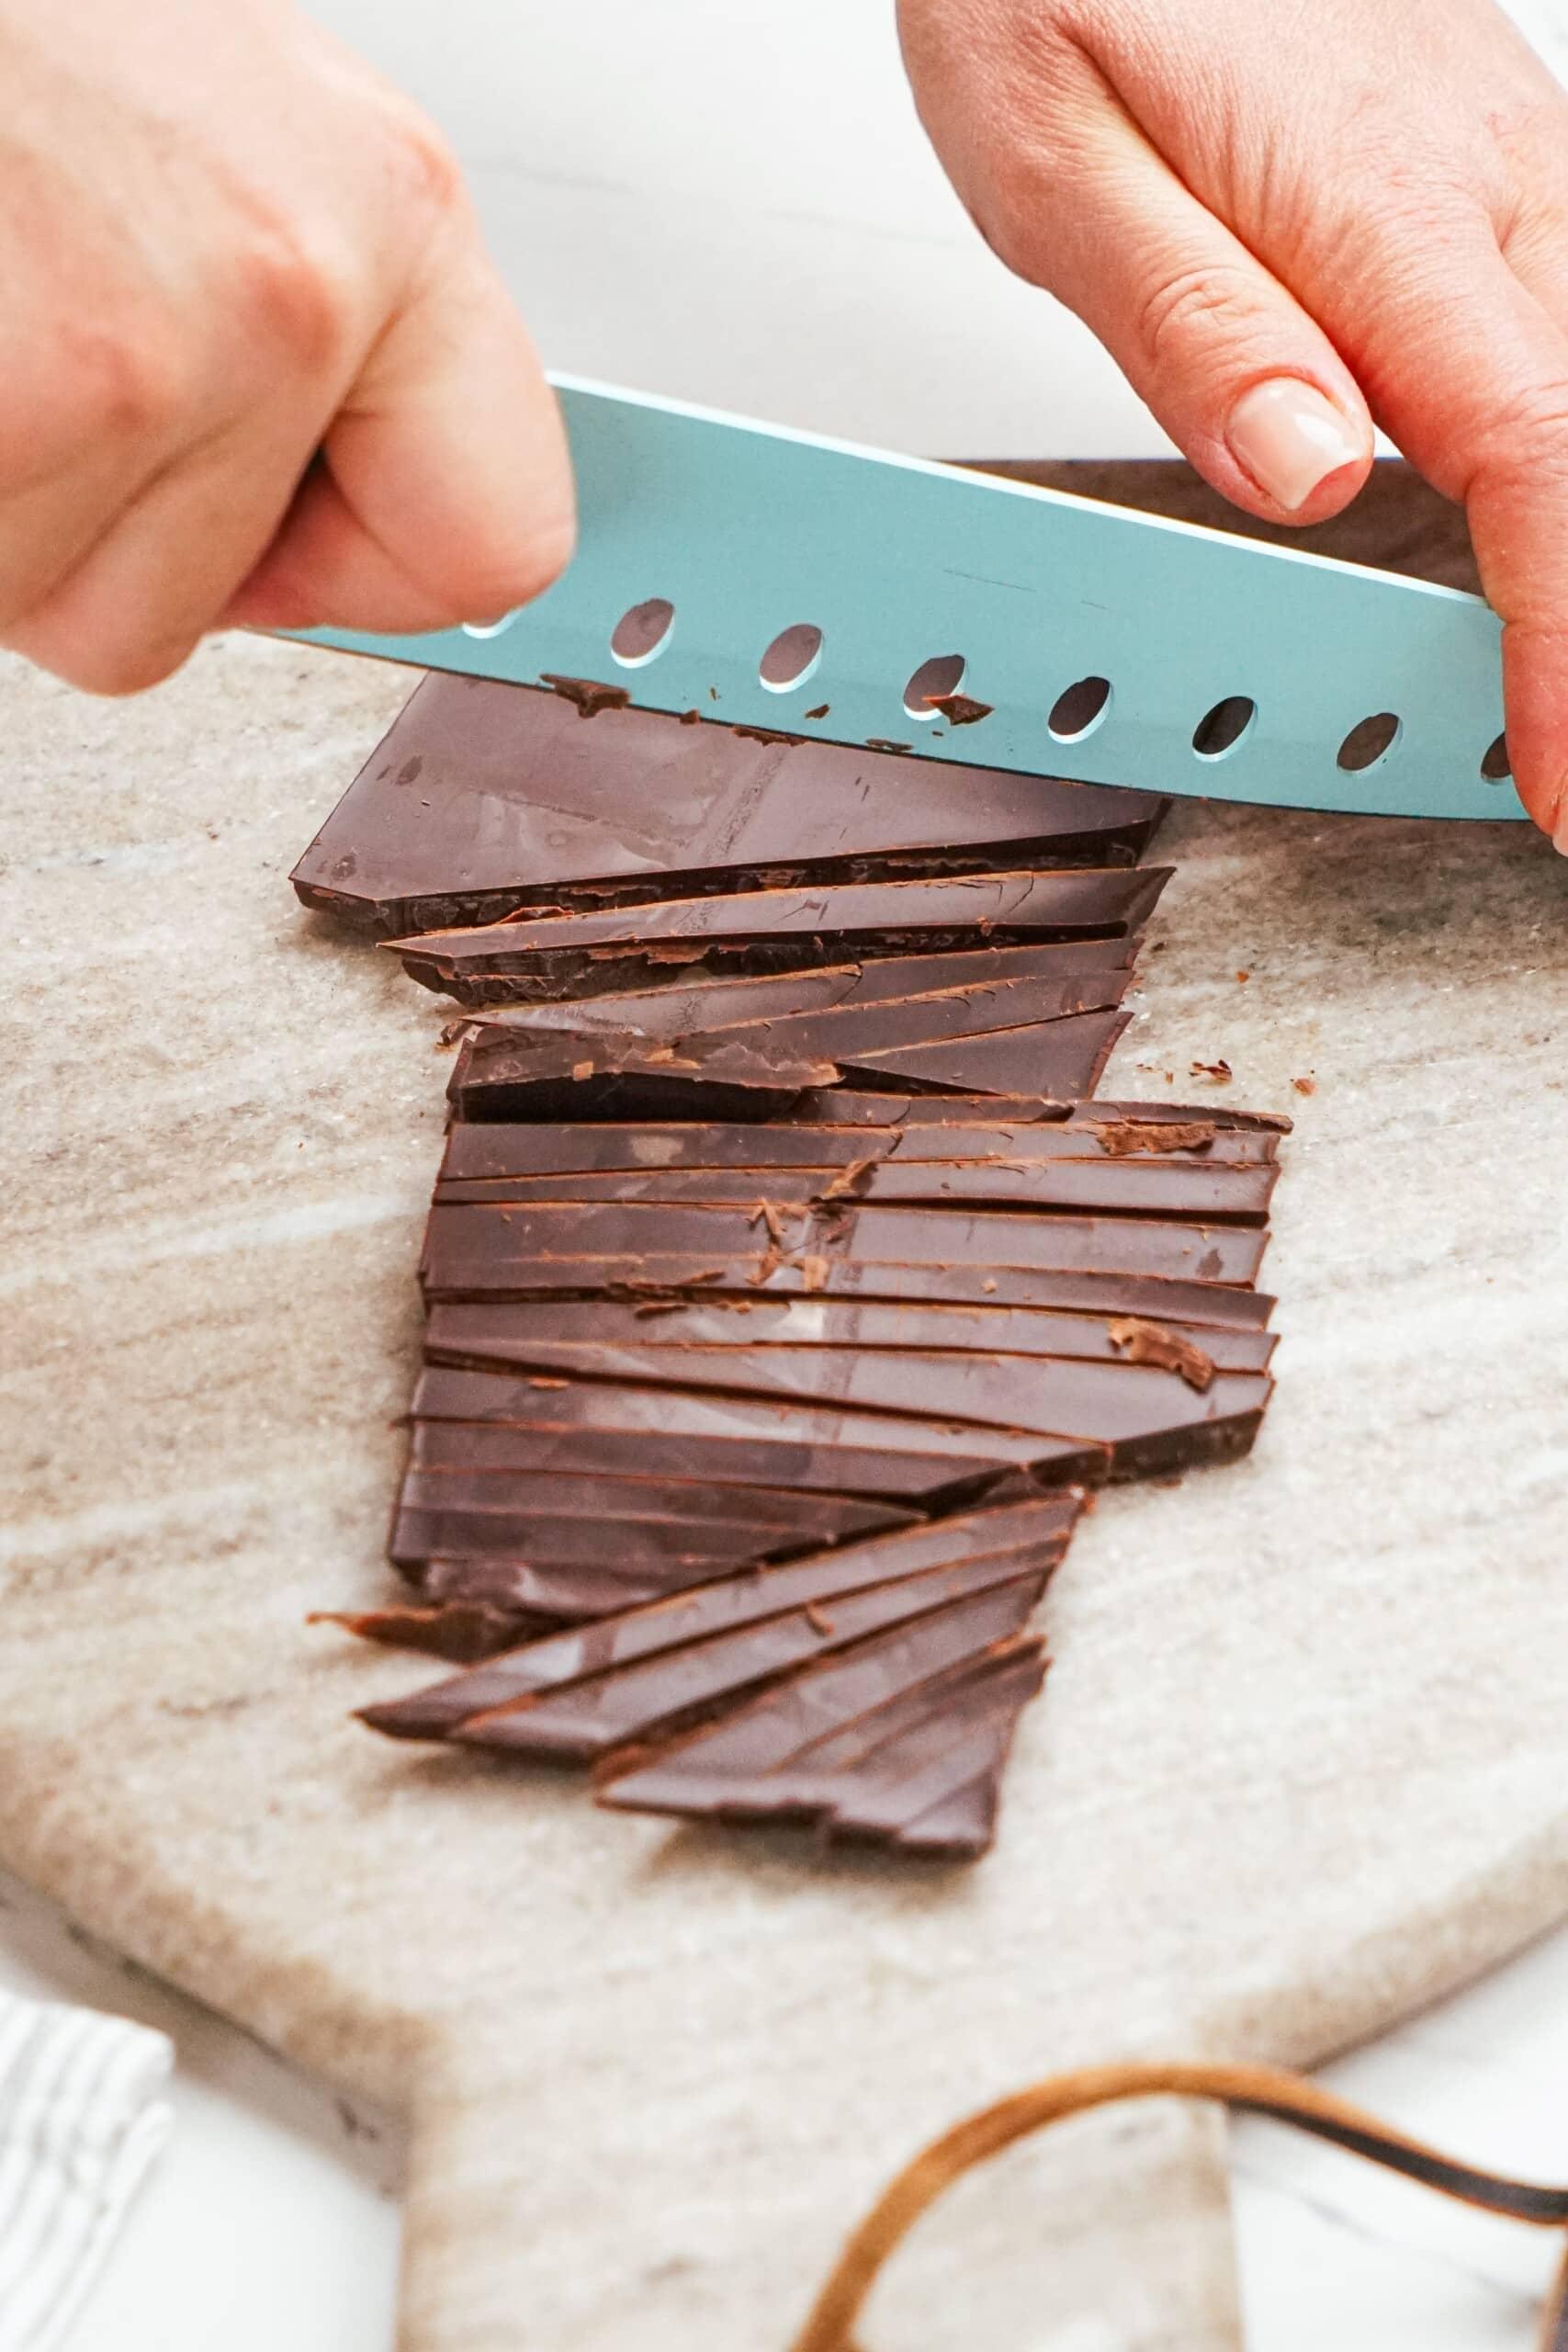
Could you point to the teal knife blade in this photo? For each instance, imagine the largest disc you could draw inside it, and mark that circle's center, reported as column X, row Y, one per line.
column 1101, row 640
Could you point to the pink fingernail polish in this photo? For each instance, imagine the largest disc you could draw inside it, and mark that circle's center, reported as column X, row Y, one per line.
column 1289, row 436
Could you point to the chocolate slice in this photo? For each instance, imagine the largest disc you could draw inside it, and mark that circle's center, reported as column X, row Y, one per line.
column 589, row 955
column 1151, row 1417
column 460, row 1631
column 1039, row 1528
column 726, row 1769
column 827, row 1447
column 466, row 1246
column 488, row 1155
column 1217, row 1191
column 484, row 796
column 551, row 1075
column 679, row 1009
column 753, row 1321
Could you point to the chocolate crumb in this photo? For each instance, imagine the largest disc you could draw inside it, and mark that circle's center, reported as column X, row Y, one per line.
column 1221, row 1071
column 1305, row 1085
column 591, row 694
column 881, row 743
column 691, row 718
column 540, row 1380
column 820, row 711
column 1158, row 1136
column 1142, row 1343
column 817, row 1619
column 1244, row 976
column 763, row 735
column 960, row 710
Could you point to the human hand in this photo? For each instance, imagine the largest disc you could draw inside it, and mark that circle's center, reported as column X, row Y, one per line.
column 1285, row 220
column 254, row 364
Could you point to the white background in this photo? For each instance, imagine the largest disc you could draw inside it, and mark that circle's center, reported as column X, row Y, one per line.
column 734, row 203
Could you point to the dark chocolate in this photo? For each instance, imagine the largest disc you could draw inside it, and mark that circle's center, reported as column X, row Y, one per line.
column 551, row 1075
column 461, row 1631
column 485, row 795
column 591, row 955
column 1040, row 1528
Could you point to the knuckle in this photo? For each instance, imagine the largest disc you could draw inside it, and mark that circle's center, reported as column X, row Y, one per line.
column 1523, row 441
column 422, row 166
column 122, row 384
column 101, row 666
column 293, row 292
column 1192, row 309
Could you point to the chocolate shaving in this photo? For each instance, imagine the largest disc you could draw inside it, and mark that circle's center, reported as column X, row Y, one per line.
column 1151, row 1343
column 589, row 694
column 1127, row 1137
column 1221, row 1071
column 960, row 710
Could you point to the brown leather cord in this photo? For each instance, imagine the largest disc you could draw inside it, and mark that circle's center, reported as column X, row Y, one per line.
column 1258, row 2090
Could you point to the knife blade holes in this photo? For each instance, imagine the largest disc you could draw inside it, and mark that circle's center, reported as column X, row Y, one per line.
column 642, row 632
column 791, row 658
column 1079, row 709
column 942, row 674
column 1221, row 729
column 489, row 628
column 1369, row 741
column 1496, row 767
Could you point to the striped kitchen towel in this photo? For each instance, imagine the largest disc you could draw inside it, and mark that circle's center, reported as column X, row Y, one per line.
column 82, row 2116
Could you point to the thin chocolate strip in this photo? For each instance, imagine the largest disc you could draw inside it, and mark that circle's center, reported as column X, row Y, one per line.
column 716, row 1769
column 678, row 1010
column 517, row 1493
column 1214, row 1190
column 1042, row 1526
column 754, row 1320
column 1149, row 1417
column 584, row 1720
column 657, row 1283
column 460, row 1631
column 593, row 954
column 492, row 1154
column 843, row 1107
column 461, row 1238
column 485, row 795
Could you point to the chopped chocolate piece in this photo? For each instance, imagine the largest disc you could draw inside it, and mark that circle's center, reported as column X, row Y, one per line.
column 586, row 1719
column 462, row 1631
column 892, row 1324
column 1305, row 1085
column 1063, row 1059
column 1140, row 1342
column 590, row 954
column 727, row 1769
column 517, row 1493
column 825, row 1447
column 1221, row 1072
column 1031, row 1534
column 681, row 1008
column 820, row 711
column 960, row 710
column 590, row 695
column 512, row 1074
column 1220, row 1191
column 467, row 1244
column 1150, row 1418
column 486, row 797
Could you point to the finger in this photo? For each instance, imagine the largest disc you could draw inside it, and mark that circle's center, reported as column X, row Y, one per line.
column 1469, row 373
column 444, row 491
column 135, row 605
column 1243, row 380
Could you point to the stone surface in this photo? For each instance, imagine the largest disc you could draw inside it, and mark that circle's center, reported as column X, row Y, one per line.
column 1301, row 1763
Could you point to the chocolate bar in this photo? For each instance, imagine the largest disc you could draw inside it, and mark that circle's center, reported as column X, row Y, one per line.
column 591, row 955
column 486, row 797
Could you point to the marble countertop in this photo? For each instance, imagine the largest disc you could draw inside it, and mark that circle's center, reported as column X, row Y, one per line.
column 738, row 206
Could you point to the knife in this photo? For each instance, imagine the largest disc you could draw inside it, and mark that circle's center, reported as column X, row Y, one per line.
column 783, row 582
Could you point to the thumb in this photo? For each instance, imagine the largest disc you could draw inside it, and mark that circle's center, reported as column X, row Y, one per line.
column 1244, row 382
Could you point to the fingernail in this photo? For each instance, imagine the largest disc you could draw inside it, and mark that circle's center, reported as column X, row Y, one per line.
column 1289, row 436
